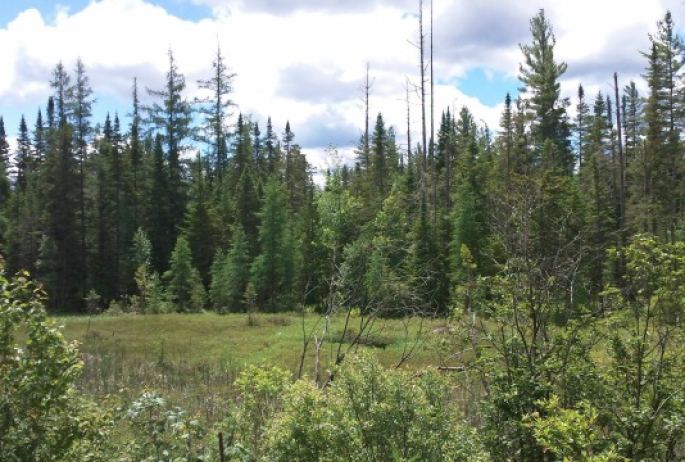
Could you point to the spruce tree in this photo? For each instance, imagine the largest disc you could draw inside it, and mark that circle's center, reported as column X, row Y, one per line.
column 230, row 274
column 582, row 126
column 4, row 165
column 273, row 159
column 80, row 104
column 379, row 162
column 216, row 110
column 171, row 118
column 183, row 280
column 160, row 220
column 268, row 270
column 22, row 161
column 61, row 183
column 200, row 224
column 39, row 141
column 663, row 165
column 136, row 161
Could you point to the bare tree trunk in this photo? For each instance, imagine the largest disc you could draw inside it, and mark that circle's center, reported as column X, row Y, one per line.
column 424, row 159
column 622, row 182
column 408, row 123
column 366, row 89
column 432, row 137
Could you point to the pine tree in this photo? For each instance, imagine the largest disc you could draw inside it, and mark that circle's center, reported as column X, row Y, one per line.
column 540, row 75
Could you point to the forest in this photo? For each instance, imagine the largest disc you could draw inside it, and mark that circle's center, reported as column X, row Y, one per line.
column 552, row 243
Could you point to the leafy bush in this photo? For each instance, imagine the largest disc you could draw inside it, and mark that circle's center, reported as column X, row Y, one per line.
column 160, row 432
column 42, row 417
column 370, row 414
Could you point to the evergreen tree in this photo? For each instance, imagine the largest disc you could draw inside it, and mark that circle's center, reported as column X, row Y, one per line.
column 183, row 280
column 596, row 180
column 62, row 204
column 230, row 274
column 288, row 137
column 22, row 160
column 269, row 268
column 80, row 103
column 273, row 159
column 136, row 161
column 160, row 220
column 582, row 126
column 200, row 228
column 4, row 182
column 540, row 75
column 4, row 166
column 216, row 110
column 506, row 142
column 171, row 118
column 39, row 141
column 379, row 162
column 663, row 165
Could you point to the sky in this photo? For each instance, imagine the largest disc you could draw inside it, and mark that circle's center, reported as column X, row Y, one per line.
column 305, row 61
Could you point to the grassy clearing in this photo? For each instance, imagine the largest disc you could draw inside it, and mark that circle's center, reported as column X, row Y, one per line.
column 194, row 358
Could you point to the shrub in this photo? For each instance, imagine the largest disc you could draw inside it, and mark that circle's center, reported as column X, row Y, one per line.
column 370, row 414
column 42, row 417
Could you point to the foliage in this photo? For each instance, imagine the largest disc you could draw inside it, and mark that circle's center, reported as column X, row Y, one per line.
column 230, row 275
column 160, row 432
column 42, row 417
column 184, row 283
column 645, row 336
column 261, row 396
column 370, row 414
column 571, row 434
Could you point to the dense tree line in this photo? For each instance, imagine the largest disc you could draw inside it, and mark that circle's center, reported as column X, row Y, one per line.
column 231, row 218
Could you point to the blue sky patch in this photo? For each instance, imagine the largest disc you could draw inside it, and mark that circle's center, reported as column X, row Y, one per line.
column 10, row 9
column 490, row 87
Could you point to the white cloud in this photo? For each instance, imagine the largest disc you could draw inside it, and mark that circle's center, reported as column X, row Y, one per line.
column 271, row 44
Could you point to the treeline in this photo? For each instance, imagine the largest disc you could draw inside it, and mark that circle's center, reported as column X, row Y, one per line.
column 101, row 213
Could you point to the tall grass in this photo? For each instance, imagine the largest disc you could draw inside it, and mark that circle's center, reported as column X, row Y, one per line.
column 193, row 359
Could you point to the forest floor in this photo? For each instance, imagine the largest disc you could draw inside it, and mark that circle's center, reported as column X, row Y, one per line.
column 193, row 359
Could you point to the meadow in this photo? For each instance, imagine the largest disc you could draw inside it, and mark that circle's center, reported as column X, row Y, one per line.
column 193, row 359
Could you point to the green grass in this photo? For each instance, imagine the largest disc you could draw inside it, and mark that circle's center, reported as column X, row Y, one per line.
column 193, row 359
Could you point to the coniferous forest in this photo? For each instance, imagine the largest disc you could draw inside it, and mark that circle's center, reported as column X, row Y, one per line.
column 543, row 236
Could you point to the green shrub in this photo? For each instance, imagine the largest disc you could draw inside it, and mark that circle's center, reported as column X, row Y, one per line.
column 159, row 432
column 42, row 417
column 370, row 414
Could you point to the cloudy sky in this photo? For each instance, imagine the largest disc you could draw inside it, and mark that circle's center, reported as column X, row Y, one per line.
column 305, row 60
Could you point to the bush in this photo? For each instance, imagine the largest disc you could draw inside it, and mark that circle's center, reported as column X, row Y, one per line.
column 42, row 417
column 370, row 414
